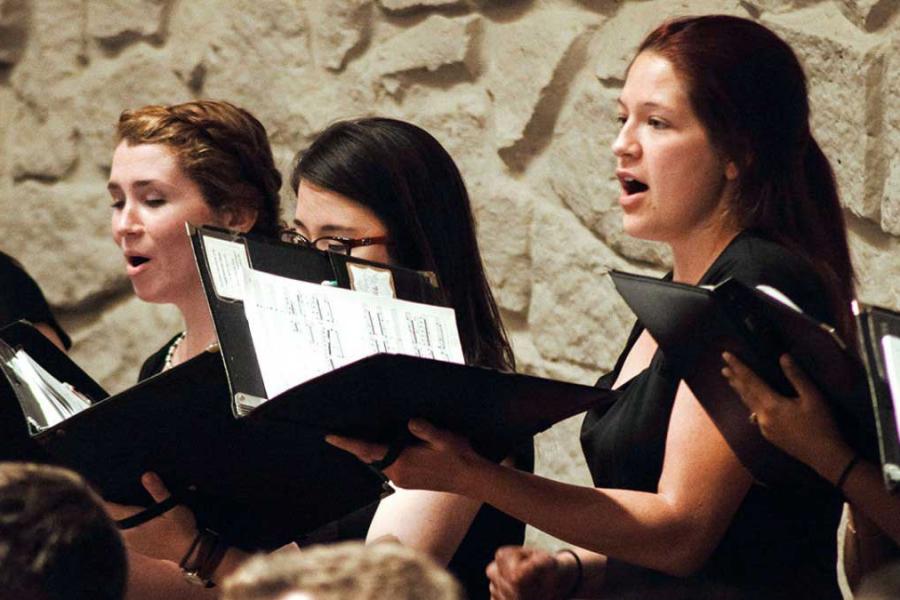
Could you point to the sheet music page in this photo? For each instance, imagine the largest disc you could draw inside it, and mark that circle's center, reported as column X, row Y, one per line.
column 372, row 280
column 301, row 330
column 47, row 400
column 890, row 346
column 227, row 262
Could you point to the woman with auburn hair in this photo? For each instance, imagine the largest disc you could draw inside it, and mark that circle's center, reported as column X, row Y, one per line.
column 391, row 183
column 200, row 162
column 716, row 159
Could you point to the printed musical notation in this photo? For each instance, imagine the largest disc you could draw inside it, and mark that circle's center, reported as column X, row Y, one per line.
column 301, row 330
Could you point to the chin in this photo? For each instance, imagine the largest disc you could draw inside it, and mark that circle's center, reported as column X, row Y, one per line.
column 642, row 230
column 636, row 227
column 149, row 295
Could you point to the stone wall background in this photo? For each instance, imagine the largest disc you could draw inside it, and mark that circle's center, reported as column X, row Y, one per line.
column 521, row 92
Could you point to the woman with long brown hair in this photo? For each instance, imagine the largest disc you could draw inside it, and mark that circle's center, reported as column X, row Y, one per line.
column 716, row 159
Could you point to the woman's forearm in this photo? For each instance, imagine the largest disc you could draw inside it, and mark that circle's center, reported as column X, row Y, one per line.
column 151, row 579
column 431, row 522
column 864, row 489
column 638, row 527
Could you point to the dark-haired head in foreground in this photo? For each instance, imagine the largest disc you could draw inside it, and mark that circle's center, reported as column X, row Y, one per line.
column 56, row 540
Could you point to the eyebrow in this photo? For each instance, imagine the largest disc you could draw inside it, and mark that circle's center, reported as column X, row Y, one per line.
column 644, row 104
column 328, row 230
column 142, row 183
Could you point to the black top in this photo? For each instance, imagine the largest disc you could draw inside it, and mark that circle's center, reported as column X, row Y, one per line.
column 490, row 529
column 780, row 543
column 156, row 361
column 21, row 298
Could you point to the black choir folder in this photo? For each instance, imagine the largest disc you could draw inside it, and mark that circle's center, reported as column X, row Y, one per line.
column 879, row 335
column 374, row 397
column 693, row 325
column 258, row 471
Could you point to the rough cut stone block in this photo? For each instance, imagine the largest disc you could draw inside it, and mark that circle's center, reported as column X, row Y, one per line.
column 836, row 57
column 436, row 42
column 528, row 65
column 875, row 259
column 255, row 54
column 405, row 5
column 42, row 149
column 504, row 223
column 776, row 6
column 295, row 123
column 576, row 315
column 461, row 123
column 115, row 21
column 112, row 348
column 62, row 234
column 869, row 14
column 96, row 107
column 338, row 27
column 580, row 170
column 13, row 30
column 889, row 150
column 55, row 53
column 620, row 36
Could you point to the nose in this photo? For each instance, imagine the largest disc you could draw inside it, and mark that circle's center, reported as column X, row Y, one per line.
column 626, row 144
column 126, row 221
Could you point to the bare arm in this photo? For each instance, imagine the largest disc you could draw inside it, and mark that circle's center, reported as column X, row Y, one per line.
column 151, row 578
column 672, row 530
column 431, row 522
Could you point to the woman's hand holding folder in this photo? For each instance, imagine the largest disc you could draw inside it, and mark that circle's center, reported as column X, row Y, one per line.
column 802, row 426
column 165, row 537
column 437, row 464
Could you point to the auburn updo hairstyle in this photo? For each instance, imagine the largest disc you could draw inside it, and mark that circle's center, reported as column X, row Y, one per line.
column 221, row 147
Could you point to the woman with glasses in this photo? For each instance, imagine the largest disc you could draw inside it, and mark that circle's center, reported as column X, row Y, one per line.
column 386, row 191
column 201, row 162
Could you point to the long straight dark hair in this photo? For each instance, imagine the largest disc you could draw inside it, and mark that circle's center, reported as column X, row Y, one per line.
column 748, row 89
column 403, row 175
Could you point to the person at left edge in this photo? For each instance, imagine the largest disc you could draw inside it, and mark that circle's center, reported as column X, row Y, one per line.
column 21, row 298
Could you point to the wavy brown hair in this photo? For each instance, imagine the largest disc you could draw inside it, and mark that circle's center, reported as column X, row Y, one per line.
column 223, row 148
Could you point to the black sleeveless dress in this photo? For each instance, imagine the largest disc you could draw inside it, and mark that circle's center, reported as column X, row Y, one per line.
column 781, row 543
column 490, row 529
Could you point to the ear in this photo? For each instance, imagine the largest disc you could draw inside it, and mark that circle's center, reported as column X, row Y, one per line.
column 731, row 170
column 239, row 218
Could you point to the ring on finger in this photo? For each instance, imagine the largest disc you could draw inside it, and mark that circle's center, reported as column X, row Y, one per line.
column 754, row 419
